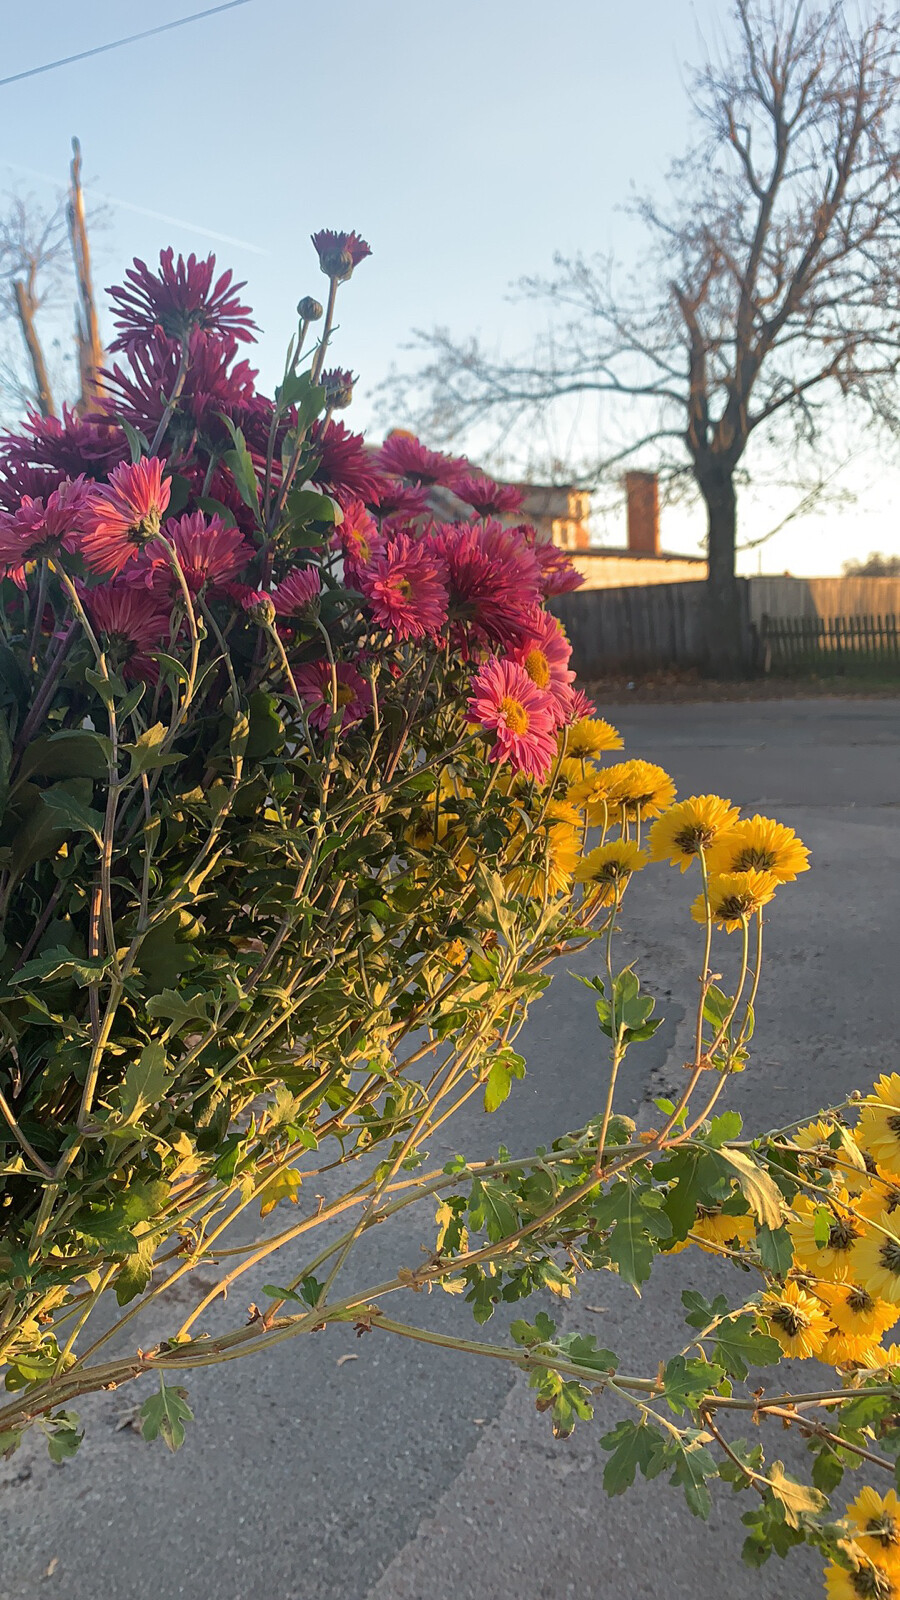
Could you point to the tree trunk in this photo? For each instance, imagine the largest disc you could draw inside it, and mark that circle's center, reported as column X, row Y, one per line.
column 26, row 309
column 727, row 647
column 87, row 331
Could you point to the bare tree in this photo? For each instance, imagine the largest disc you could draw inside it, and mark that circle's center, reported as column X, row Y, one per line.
column 770, row 290
column 33, row 244
column 36, row 278
column 875, row 566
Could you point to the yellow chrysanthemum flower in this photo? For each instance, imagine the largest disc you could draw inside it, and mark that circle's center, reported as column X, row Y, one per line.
column 591, row 796
column 610, row 866
column 876, row 1260
column 640, row 789
column 880, row 1357
column 876, row 1526
column 796, row 1320
column 562, row 848
column 689, row 827
column 855, row 1311
column 844, row 1349
column 569, row 771
column 734, row 897
column 881, row 1193
column 761, row 844
column 879, row 1122
column 716, row 1227
column 814, row 1136
column 864, row 1582
column 589, row 735
column 832, row 1259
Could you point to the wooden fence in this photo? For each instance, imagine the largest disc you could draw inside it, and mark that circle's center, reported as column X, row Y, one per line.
column 833, row 643
column 641, row 628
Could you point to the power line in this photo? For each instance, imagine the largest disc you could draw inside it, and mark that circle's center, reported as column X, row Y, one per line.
column 132, row 38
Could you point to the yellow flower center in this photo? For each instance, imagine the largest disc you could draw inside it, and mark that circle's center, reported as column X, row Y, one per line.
column 538, row 668
column 344, row 694
column 514, row 714
column 404, row 588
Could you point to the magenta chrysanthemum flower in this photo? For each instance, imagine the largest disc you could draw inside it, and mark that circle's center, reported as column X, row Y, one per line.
column 125, row 514
column 181, row 297
column 343, row 462
column 494, row 581
column 43, row 527
column 67, row 445
column 212, row 385
column 130, row 622
column 506, row 703
column 315, row 684
column 406, row 589
column 297, row 593
column 397, row 499
column 210, row 554
column 404, row 457
column 545, row 656
column 339, row 253
column 488, row 498
column 582, row 706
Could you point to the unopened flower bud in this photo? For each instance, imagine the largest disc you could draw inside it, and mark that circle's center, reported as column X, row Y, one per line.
column 338, row 386
column 260, row 607
column 309, row 310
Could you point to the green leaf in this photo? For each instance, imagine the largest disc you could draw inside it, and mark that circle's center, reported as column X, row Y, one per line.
column 700, row 1311
column 216, row 508
column 179, row 1010
column 72, row 753
column 135, row 1273
column 240, row 463
column 298, row 390
column 693, row 1464
column 138, row 443
column 147, row 754
column 64, row 1435
column 687, row 1382
column 761, row 1193
column 739, row 1346
column 266, row 727
column 164, row 1415
column 146, row 1081
column 72, row 815
column 721, row 1129
column 776, row 1250
column 58, row 963
column 491, row 1210
column 633, row 1446
column 505, row 1066
column 799, row 1500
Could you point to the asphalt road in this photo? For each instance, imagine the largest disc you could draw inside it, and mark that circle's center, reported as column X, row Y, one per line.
column 403, row 1475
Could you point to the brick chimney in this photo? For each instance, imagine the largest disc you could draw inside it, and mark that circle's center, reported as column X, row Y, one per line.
column 642, row 494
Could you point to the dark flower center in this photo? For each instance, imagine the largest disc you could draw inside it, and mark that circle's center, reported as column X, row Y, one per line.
column 692, row 838
column 890, row 1256
column 883, row 1528
column 753, row 856
column 843, row 1234
column 893, row 1122
column 791, row 1319
column 860, row 1300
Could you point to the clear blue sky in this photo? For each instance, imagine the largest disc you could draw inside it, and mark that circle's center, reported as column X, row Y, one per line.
column 467, row 140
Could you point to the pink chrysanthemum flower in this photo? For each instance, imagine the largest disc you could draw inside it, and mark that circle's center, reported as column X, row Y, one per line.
column 506, row 703
column 403, row 456
column 315, row 684
column 558, row 575
column 43, row 527
column 358, row 539
column 582, row 706
column 488, row 498
column 210, row 554
column 259, row 606
column 213, row 383
column 125, row 515
column 406, row 589
column 181, row 297
column 545, row 656
column 298, row 592
column 130, row 622
column 339, row 253
column 494, row 581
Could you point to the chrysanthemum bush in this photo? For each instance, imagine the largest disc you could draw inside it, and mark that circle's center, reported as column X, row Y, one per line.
column 299, row 804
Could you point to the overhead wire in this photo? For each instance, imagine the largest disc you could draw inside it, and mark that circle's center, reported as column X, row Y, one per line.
column 115, row 44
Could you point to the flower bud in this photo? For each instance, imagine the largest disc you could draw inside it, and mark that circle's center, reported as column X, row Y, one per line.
column 260, row 607
column 309, row 310
column 338, row 386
